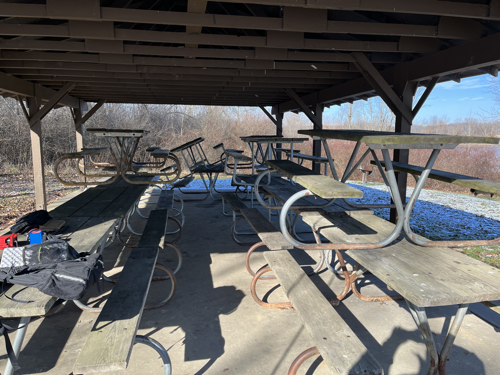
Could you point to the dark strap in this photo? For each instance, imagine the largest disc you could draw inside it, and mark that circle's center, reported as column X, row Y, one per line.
column 4, row 330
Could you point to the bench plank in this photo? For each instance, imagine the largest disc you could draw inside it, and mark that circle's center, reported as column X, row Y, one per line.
column 492, row 187
column 266, row 231
column 321, row 185
column 154, row 232
column 111, row 339
column 166, row 200
column 234, row 202
column 318, row 159
column 85, row 152
column 341, row 350
column 183, row 182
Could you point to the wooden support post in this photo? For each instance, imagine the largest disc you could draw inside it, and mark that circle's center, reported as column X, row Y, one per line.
column 279, row 132
column 37, row 155
column 318, row 112
column 405, row 91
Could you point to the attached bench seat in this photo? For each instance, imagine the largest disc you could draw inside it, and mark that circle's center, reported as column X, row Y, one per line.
column 473, row 183
column 182, row 183
column 85, row 152
column 340, row 348
column 317, row 159
column 321, row 185
column 237, row 156
column 233, row 201
column 160, row 153
column 270, row 236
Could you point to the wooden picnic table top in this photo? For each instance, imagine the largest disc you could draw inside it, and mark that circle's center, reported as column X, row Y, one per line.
column 104, row 132
column 378, row 139
column 273, row 139
column 188, row 144
column 112, row 200
column 426, row 276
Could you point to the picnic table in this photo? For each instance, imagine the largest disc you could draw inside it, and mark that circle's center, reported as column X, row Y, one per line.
column 122, row 144
column 424, row 276
column 256, row 142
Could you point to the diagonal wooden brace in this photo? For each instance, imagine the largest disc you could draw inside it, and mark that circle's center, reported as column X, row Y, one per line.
column 42, row 112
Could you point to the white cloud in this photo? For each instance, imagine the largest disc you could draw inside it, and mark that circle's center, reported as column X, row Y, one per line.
column 461, row 99
column 478, row 98
column 466, row 84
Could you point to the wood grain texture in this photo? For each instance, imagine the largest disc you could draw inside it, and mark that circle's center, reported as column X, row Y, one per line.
column 154, row 232
column 318, row 184
column 111, row 339
column 41, row 304
column 166, row 200
column 234, row 202
column 488, row 186
column 266, row 231
column 123, row 203
column 88, row 237
column 425, row 276
column 86, row 152
column 393, row 138
column 100, row 203
column 340, row 348
column 73, row 205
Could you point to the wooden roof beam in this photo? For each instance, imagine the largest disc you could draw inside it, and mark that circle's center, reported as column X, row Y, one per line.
column 297, row 17
column 21, row 87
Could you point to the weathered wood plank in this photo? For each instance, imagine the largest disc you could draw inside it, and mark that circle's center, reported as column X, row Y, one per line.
column 319, row 184
column 73, row 205
column 183, row 182
column 166, row 200
column 424, row 275
column 317, row 159
column 341, row 350
column 234, row 202
column 160, row 153
column 487, row 186
column 188, row 144
column 111, row 339
column 154, row 232
column 266, row 231
column 394, row 138
column 122, row 204
column 40, row 305
column 86, row 152
column 89, row 235
column 99, row 203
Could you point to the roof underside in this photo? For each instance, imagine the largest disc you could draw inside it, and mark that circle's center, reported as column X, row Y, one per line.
column 242, row 52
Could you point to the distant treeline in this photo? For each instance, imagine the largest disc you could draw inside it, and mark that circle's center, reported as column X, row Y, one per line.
column 170, row 126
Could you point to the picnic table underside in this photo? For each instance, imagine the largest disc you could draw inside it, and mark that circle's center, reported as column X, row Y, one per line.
column 425, row 276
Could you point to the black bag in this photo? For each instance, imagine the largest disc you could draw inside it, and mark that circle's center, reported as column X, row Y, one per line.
column 68, row 280
column 30, row 221
column 53, row 251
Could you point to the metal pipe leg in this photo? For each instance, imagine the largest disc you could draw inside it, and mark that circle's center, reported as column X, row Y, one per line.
column 167, row 365
column 450, row 337
column 423, row 324
column 18, row 341
column 308, row 353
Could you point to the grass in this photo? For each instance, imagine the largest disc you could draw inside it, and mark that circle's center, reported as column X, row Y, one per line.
column 487, row 254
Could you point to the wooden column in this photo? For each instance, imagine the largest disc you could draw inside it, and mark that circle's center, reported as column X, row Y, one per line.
column 77, row 116
column 37, row 155
column 279, row 132
column 318, row 124
column 405, row 91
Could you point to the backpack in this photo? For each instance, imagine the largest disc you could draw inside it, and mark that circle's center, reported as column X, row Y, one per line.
column 30, row 221
column 53, row 251
column 68, row 280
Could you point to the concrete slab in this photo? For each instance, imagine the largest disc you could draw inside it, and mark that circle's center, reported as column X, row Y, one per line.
column 213, row 326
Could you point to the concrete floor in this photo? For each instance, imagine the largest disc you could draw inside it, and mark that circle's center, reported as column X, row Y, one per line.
column 213, row 326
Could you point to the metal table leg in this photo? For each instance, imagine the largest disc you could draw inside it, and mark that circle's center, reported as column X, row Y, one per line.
column 438, row 361
column 167, row 365
column 18, row 341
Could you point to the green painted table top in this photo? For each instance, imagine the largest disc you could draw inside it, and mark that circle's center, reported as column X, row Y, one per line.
column 378, row 139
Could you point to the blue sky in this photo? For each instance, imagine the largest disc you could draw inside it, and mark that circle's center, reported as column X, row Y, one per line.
column 456, row 100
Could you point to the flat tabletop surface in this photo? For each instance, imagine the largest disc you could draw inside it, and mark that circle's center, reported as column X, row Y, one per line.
column 188, row 144
column 104, row 132
column 425, row 276
column 273, row 139
column 393, row 138
column 112, row 200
